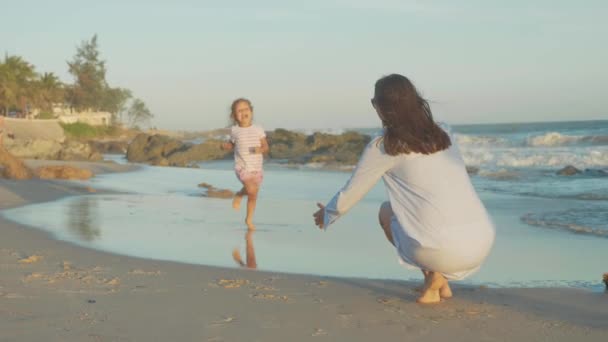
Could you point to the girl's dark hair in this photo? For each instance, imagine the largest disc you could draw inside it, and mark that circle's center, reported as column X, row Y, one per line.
column 406, row 118
column 233, row 109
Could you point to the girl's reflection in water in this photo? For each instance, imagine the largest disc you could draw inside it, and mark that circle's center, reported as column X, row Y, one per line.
column 236, row 254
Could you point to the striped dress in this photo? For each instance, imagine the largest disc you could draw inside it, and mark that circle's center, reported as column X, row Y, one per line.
column 245, row 139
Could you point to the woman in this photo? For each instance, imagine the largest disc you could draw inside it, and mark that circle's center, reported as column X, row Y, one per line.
column 434, row 217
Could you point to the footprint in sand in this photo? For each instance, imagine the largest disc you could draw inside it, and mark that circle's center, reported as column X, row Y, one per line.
column 232, row 283
column 30, row 259
column 268, row 296
column 225, row 320
column 319, row 332
column 146, row 273
column 319, row 284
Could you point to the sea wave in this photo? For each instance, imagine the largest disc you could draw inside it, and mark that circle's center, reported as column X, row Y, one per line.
column 502, row 174
column 465, row 140
column 588, row 221
column 581, row 157
column 553, row 139
column 549, row 139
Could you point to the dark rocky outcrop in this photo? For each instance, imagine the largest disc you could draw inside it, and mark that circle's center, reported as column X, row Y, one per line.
column 165, row 151
column 51, row 149
column 285, row 146
column 214, row 192
column 12, row 167
column 63, row 172
column 110, row 147
column 568, row 171
column 472, row 170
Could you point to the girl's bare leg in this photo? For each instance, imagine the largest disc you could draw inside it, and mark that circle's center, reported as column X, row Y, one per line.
column 236, row 201
column 251, row 261
column 251, row 188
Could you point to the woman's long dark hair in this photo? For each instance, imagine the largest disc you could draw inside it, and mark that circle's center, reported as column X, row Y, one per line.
column 406, row 118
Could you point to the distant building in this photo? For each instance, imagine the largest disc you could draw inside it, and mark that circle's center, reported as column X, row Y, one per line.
column 91, row 118
column 66, row 115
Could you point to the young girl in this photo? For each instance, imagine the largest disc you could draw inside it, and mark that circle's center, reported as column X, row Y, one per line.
column 249, row 144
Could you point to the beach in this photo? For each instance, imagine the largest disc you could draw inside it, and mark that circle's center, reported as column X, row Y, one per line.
column 53, row 290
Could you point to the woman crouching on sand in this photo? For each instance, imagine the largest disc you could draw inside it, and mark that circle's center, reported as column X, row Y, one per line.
column 434, row 217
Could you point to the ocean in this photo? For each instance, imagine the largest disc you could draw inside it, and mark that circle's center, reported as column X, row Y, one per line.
column 552, row 230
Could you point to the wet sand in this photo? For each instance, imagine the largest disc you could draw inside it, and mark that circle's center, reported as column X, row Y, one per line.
column 55, row 291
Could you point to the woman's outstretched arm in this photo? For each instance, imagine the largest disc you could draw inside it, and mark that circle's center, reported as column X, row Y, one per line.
column 374, row 163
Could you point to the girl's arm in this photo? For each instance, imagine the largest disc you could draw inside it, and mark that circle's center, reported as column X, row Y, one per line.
column 264, row 146
column 373, row 164
column 227, row 146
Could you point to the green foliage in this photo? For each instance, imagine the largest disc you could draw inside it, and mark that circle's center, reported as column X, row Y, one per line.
column 45, row 116
column 89, row 73
column 83, row 130
column 22, row 89
column 48, row 90
column 138, row 113
column 115, row 102
column 17, row 79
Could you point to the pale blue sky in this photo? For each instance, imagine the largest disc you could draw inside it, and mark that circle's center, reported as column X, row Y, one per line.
column 313, row 64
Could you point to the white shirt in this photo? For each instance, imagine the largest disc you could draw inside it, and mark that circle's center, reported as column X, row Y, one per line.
column 439, row 223
column 245, row 139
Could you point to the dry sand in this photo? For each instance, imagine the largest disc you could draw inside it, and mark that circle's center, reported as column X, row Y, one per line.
column 55, row 291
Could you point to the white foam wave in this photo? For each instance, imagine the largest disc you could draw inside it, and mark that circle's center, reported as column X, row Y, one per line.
column 553, row 139
column 582, row 157
column 477, row 140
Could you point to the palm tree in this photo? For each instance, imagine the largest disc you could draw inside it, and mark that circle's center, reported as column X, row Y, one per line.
column 16, row 80
column 49, row 90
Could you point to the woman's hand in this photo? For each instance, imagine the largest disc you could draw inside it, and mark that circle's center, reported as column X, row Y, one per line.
column 319, row 216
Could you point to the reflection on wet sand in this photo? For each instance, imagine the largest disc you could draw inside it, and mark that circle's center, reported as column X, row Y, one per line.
column 82, row 219
column 236, row 254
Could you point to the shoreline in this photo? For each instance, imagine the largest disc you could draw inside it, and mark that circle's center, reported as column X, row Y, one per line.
column 73, row 293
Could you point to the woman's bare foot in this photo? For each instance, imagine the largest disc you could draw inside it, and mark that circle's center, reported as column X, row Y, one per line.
column 445, row 291
column 236, row 202
column 430, row 294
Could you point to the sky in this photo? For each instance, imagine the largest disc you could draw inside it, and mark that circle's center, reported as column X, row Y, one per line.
column 313, row 64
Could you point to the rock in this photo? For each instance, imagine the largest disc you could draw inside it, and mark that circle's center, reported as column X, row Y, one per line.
column 13, row 168
column 34, row 148
column 51, row 150
column 214, row 192
column 109, row 147
column 145, row 148
column 63, row 172
column 568, row 171
column 286, row 144
column 595, row 173
column 165, row 151
column 606, row 280
column 344, row 149
column 159, row 161
column 76, row 150
column 209, row 150
column 219, row 193
column 472, row 170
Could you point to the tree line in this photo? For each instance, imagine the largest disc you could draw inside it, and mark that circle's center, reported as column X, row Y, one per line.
column 22, row 88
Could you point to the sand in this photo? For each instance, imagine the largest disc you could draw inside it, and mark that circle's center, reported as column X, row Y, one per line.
column 55, row 291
